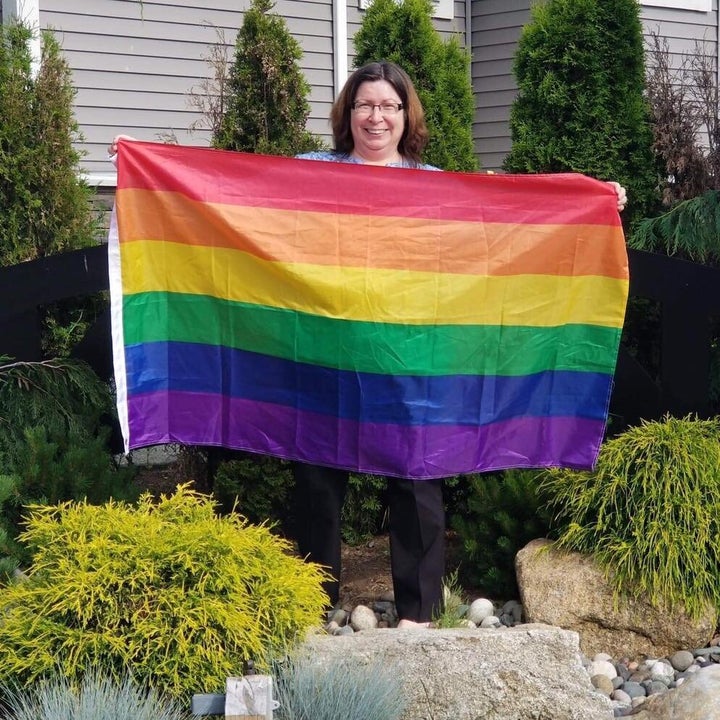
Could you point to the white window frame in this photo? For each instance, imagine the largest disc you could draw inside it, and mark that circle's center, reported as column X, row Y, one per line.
column 443, row 9
column 696, row 5
column 29, row 12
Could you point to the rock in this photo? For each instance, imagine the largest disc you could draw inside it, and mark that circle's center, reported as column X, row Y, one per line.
column 529, row 672
column 620, row 696
column 480, row 609
column 698, row 698
column 570, row 591
column 663, row 671
column 634, row 689
column 339, row 616
column 603, row 684
column 363, row 618
column 602, row 667
column 490, row 622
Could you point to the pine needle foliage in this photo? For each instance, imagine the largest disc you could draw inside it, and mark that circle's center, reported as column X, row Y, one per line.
column 580, row 107
column 402, row 32
column 365, row 509
column 93, row 698
column 62, row 395
column 650, row 512
column 690, row 230
column 45, row 203
column 266, row 107
column 53, row 444
column 503, row 512
column 257, row 486
column 307, row 690
column 168, row 589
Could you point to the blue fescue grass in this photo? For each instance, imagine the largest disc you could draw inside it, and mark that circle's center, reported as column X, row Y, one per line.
column 95, row 698
column 307, row 691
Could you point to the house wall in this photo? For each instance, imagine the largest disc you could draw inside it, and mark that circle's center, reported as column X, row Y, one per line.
column 135, row 64
column 496, row 27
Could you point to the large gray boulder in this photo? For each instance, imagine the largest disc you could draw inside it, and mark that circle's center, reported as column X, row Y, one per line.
column 529, row 672
column 570, row 590
column 698, row 698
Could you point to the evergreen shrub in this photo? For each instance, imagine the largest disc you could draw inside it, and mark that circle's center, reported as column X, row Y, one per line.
column 45, row 203
column 402, row 32
column 690, row 230
column 53, row 444
column 365, row 508
column 258, row 487
column 168, row 591
column 93, row 698
column 580, row 106
column 649, row 512
column 504, row 511
column 266, row 107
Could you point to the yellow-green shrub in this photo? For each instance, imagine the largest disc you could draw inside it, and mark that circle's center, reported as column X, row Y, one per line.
column 168, row 591
column 650, row 512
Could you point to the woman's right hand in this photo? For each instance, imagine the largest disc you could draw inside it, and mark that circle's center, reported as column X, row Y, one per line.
column 113, row 147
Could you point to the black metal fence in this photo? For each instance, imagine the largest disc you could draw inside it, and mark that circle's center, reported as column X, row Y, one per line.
column 688, row 296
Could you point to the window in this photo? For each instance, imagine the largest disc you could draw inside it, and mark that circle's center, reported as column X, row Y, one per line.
column 699, row 5
column 443, row 9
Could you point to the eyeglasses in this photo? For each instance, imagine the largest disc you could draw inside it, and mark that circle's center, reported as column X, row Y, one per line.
column 367, row 109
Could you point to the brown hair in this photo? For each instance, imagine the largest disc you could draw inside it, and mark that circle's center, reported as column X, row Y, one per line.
column 415, row 135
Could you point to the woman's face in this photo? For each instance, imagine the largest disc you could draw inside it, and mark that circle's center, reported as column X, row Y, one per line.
column 376, row 136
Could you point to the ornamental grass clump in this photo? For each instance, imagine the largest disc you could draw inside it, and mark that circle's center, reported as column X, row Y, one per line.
column 168, row 590
column 351, row 691
column 650, row 512
column 94, row 698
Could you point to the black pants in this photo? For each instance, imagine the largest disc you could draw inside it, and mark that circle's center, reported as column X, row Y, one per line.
column 417, row 534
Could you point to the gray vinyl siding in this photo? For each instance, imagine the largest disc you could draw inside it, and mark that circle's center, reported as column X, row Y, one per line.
column 683, row 30
column 134, row 68
column 496, row 27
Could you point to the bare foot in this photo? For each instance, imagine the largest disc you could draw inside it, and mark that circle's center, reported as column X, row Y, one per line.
column 412, row 625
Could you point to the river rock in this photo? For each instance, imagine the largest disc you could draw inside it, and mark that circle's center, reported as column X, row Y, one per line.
column 698, row 698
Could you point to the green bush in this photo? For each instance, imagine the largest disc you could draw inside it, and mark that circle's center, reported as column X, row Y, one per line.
column 365, row 508
column 266, row 105
column 580, row 106
column 504, row 511
column 170, row 590
column 649, row 512
column 50, row 469
column 45, row 203
column 93, row 698
column 53, row 443
column 308, row 691
column 690, row 230
column 403, row 33
column 258, row 487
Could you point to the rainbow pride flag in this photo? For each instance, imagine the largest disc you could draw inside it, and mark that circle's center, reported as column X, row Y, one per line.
column 385, row 320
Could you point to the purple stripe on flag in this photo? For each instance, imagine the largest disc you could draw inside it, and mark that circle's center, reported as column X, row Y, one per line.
column 420, row 452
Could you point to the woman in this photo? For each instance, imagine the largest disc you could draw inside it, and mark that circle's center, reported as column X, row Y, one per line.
column 378, row 120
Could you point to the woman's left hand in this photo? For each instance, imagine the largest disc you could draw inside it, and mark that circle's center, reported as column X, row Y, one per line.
column 621, row 195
